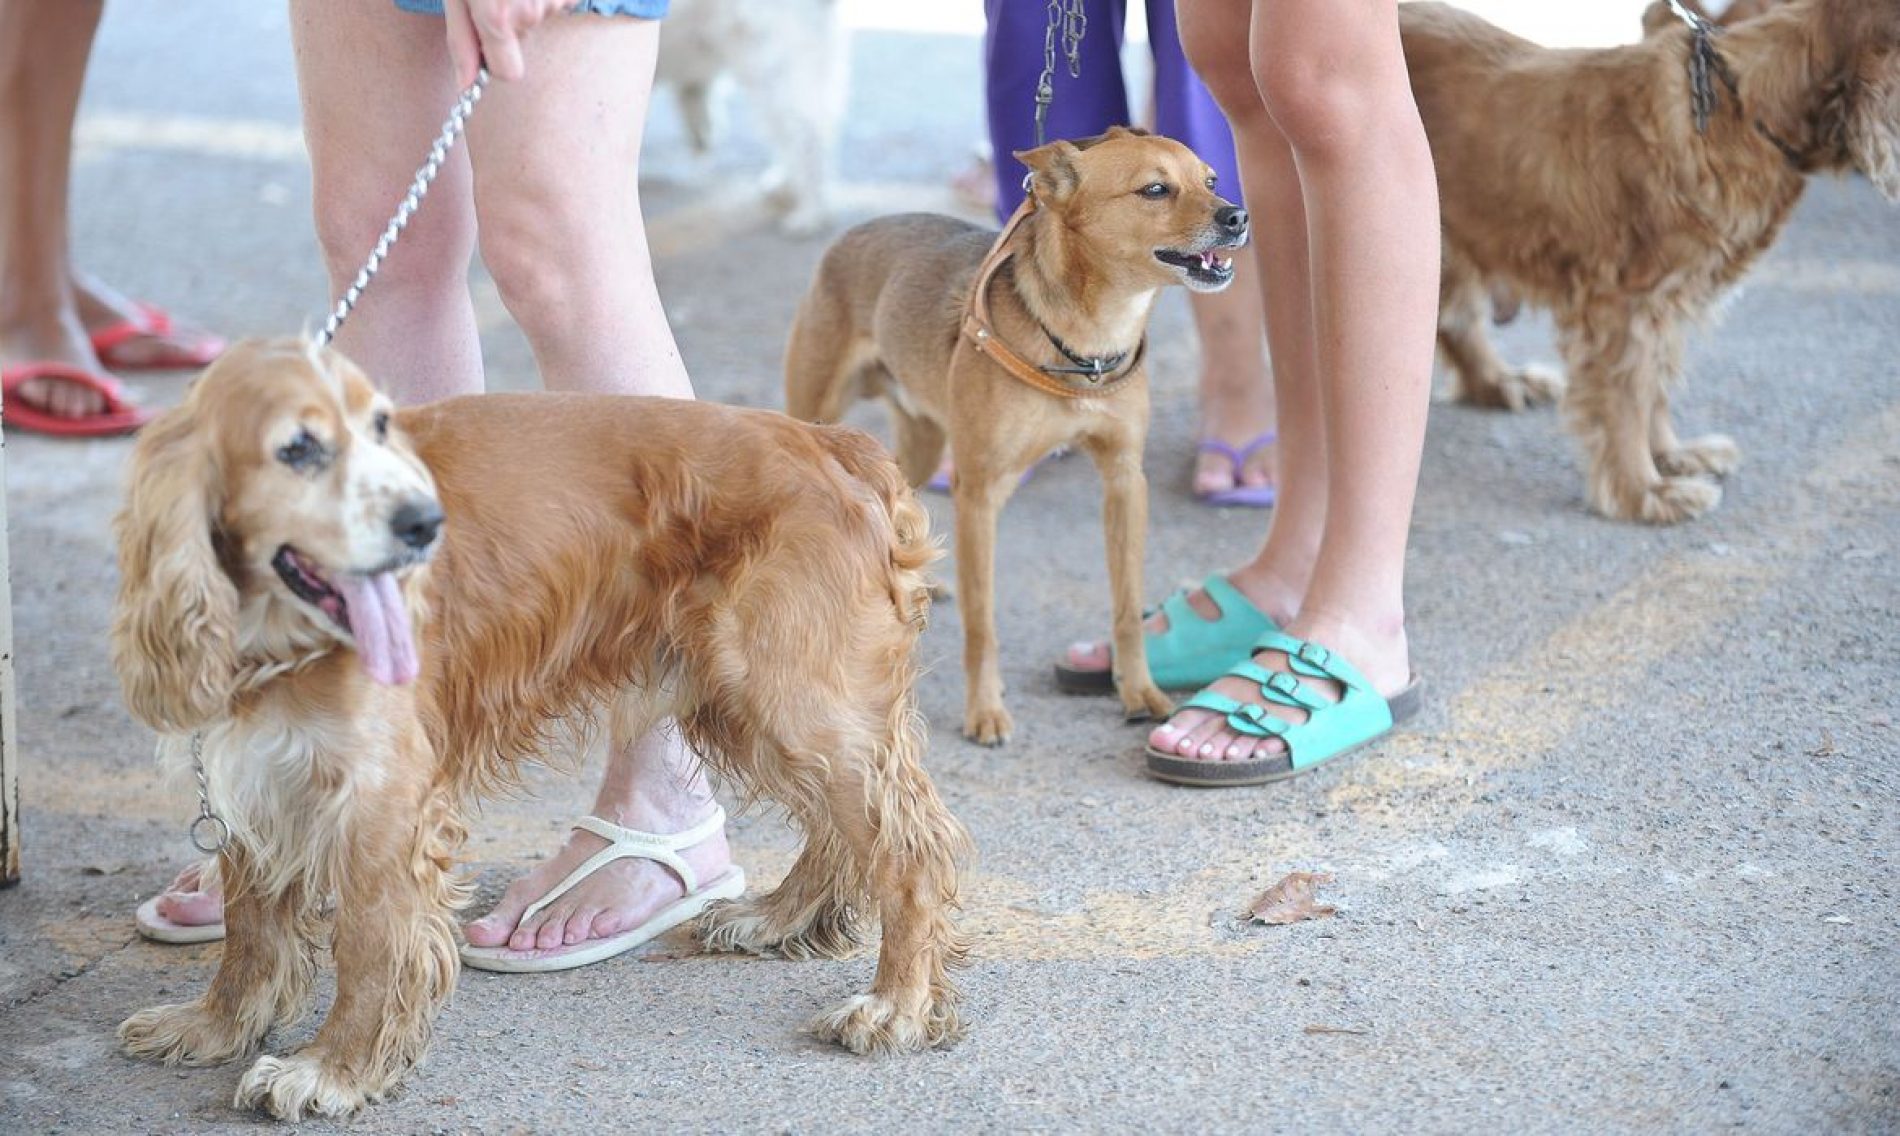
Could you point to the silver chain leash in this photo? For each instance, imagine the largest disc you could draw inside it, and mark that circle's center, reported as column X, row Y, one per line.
column 1067, row 18
column 210, row 833
column 438, row 153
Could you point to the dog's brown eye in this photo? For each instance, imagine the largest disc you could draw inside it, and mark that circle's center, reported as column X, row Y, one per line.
column 381, row 423
column 1210, row 182
column 1155, row 190
column 304, row 453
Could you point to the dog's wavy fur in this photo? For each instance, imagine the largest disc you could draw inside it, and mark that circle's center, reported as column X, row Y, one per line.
column 758, row 579
column 1577, row 181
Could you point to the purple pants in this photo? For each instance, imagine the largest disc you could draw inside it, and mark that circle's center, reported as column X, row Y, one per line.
column 1012, row 57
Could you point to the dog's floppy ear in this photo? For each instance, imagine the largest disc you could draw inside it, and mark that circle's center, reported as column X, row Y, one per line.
column 174, row 626
column 1051, row 169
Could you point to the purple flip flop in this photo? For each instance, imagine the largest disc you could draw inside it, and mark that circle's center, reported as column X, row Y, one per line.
column 1247, row 496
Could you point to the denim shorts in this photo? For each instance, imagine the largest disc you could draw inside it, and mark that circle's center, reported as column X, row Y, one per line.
column 639, row 9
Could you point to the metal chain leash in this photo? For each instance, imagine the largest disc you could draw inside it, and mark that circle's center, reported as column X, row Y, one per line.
column 1702, row 63
column 210, row 832
column 1068, row 20
column 438, row 153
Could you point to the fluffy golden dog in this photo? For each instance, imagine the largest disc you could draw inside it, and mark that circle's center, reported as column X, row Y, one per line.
column 1009, row 348
column 1578, row 181
column 353, row 667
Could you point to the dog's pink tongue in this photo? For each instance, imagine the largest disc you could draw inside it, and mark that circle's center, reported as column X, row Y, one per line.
column 380, row 623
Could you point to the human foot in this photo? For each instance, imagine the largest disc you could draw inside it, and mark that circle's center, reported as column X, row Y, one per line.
column 189, row 910
column 51, row 338
column 129, row 335
column 1294, row 703
column 617, row 897
column 1191, row 637
column 1235, row 473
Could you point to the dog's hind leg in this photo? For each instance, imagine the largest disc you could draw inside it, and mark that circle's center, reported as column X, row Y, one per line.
column 263, row 979
column 825, row 358
column 1479, row 376
column 395, row 959
column 920, row 440
column 1619, row 358
column 817, row 911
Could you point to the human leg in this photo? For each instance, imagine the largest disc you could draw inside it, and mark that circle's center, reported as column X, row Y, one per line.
column 1350, row 139
column 557, row 189
column 43, row 53
column 1082, row 105
column 556, row 157
column 375, row 85
column 1236, row 388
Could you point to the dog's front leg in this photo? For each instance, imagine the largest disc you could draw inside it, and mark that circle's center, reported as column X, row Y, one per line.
column 1621, row 360
column 980, row 490
column 1125, row 526
column 263, row 978
column 396, row 965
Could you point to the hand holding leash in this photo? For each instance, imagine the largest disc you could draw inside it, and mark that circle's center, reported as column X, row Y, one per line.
column 490, row 31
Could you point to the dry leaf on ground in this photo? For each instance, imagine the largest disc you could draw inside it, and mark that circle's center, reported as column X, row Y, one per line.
column 1290, row 901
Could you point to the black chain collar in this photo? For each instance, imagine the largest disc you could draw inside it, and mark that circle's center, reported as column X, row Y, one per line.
column 1094, row 368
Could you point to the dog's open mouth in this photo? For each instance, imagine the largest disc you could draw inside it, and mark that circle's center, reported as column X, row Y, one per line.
column 1207, row 267
column 367, row 607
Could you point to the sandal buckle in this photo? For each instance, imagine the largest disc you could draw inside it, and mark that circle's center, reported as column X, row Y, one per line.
column 1315, row 654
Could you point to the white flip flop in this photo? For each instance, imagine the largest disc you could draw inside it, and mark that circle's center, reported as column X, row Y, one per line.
column 623, row 844
column 158, row 929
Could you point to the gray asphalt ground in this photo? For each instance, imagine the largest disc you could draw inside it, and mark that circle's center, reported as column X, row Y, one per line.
column 1632, row 869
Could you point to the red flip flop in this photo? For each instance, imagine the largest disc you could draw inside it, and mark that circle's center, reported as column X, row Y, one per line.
column 199, row 351
column 118, row 417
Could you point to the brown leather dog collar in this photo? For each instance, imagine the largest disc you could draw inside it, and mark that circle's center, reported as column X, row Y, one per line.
column 984, row 340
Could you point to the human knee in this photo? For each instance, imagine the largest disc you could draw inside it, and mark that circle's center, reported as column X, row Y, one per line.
column 545, row 265
column 1317, row 108
column 351, row 216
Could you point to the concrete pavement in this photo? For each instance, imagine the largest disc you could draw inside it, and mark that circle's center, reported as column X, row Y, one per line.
column 1632, row 869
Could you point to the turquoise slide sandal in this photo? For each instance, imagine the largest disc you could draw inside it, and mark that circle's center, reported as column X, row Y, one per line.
column 1193, row 651
column 1332, row 729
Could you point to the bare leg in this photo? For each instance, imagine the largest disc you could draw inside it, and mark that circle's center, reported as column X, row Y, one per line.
column 555, row 183
column 1236, row 386
column 1330, row 138
column 43, row 52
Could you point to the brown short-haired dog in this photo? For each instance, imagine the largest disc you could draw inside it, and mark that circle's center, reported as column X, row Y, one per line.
column 1578, row 181
column 354, row 667
column 1008, row 352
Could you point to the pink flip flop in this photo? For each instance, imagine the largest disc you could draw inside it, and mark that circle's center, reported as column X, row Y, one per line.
column 118, row 417
column 199, row 349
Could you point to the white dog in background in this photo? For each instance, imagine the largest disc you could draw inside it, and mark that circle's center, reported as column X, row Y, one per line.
column 790, row 58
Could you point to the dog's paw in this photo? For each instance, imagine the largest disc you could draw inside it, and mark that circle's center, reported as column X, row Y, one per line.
column 748, row 926
column 987, row 725
column 291, row 1088
column 873, row 1023
column 1144, row 702
column 1671, row 500
column 1534, row 386
column 1510, row 390
column 1713, row 455
column 183, row 1034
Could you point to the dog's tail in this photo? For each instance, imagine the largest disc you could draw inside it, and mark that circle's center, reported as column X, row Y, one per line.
column 912, row 548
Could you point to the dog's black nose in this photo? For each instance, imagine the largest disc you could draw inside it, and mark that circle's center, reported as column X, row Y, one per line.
column 416, row 523
column 1231, row 218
